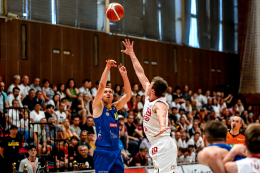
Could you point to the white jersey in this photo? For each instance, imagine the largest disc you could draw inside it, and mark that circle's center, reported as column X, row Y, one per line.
column 248, row 165
column 151, row 121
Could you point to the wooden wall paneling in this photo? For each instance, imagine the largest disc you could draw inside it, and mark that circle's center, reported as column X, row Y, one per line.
column 171, row 78
column 196, row 65
column 116, row 51
column 185, row 66
column 162, row 61
column 34, row 49
column 57, row 71
column 87, row 48
column 205, row 71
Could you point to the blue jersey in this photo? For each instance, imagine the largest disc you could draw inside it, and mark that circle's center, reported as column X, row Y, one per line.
column 107, row 128
column 227, row 147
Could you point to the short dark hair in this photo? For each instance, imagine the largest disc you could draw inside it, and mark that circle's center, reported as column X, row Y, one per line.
column 36, row 103
column 215, row 131
column 252, row 135
column 196, row 133
column 90, row 133
column 63, row 99
column 89, row 117
column 37, row 91
column 73, row 137
column 45, row 80
column 75, row 117
column 31, row 90
column 86, row 80
column 143, row 148
column 160, row 86
column 135, row 110
column 32, row 146
column 15, row 101
column 16, row 88
column 49, row 106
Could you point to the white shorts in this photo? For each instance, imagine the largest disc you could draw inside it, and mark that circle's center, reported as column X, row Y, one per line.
column 164, row 154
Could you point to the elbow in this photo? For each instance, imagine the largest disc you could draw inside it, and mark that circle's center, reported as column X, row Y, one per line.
column 101, row 86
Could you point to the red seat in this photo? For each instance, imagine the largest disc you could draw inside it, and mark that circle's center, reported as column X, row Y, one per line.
column 23, row 151
column 51, row 167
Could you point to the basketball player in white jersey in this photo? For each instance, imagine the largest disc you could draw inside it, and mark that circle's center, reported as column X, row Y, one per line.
column 155, row 118
column 251, row 164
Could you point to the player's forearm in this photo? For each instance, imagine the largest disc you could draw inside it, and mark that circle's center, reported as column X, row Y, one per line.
column 127, row 86
column 162, row 120
column 104, row 77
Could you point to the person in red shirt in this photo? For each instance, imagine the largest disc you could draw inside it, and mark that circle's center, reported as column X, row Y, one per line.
column 234, row 136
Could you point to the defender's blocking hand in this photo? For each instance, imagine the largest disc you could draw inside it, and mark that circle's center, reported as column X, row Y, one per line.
column 128, row 47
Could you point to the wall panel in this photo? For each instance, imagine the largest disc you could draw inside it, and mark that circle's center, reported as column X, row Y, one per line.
column 194, row 65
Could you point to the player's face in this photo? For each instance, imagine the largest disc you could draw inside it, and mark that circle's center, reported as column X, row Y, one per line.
column 108, row 95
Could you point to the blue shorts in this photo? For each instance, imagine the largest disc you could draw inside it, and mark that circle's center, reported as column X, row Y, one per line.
column 108, row 160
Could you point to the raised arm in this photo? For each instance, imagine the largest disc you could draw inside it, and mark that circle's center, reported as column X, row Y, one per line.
column 128, row 93
column 137, row 66
column 161, row 110
column 101, row 88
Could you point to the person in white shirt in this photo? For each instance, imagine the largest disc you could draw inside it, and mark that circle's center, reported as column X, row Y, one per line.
column 182, row 141
column 240, row 107
column 222, row 105
column 216, row 107
column 15, row 96
column 36, row 115
column 187, row 105
column 24, row 86
column 175, row 103
column 13, row 114
column 197, row 142
column 200, row 97
column 94, row 89
column 177, row 137
column 185, row 158
column 61, row 114
column 16, row 83
column 206, row 97
column 85, row 87
column 142, row 91
column 168, row 95
column 250, row 149
column 135, row 89
column 61, row 90
column 24, row 122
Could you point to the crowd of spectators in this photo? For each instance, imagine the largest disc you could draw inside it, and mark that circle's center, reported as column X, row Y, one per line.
column 68, row 111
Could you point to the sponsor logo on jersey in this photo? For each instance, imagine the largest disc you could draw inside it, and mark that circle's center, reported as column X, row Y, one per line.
column 99, row 136
column 112, row 135
column 116, row 116
column 112, row 124
column 13, row 144
column 107, row 114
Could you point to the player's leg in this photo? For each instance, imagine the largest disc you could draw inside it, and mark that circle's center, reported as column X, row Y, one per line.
column 164, row 155
column 118, row 166
column 103, row 160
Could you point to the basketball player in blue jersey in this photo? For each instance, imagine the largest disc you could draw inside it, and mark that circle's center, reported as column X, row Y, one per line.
column 107, row 155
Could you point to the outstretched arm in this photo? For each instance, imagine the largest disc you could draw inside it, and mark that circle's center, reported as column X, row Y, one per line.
column 128, row 93
column 161, row 110
column 101, row 88
column 137, row 66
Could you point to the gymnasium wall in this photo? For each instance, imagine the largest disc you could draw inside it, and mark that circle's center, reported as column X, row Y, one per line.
column 195, row 67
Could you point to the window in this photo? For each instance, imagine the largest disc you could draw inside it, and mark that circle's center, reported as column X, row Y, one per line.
column 53, row 12
column 193, row 38
column 220, row 48
column 236, row 26
column 178, row 21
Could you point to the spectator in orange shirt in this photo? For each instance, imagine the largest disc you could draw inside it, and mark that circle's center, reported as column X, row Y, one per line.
column 234, row 136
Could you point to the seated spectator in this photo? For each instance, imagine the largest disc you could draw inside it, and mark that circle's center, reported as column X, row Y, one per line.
column 61, row 90
column 67, row 107
column 77, row 108
column 91, row 140
column 176, row 103
column 38, row 134
column 216, row 107
column 187, row 105
column 177, row 94
column 173, row 115
column 39, row 98
column 117, row 89
column 181, row 114
column 54, row 88
column 182, row 126
column 140, row 158
column 60, row 113
column 177, row 137
column 89, row 125
column 182, row 141
column 141, row 92
column 185, row 92
column 32, row 161
column 87, row 103
column 29, row 100
column 240, row 107
column 168, row 95
column 83, row 141
column 132, row 104
column 135, row 89
column 60, row 160
column 232, row 110
column 84, row 159
column 197, row 142
column 71, row 90
column 36, row 115
column 222, row 105
column 145, row 144
column 46, row 90
column 51, row 135
column 132, row 132
column 49, row 113
column 192, row 130
column 74, row 128
column 186, row 157
column 194, row 105
column 208, row 106
column 55, row 102
column 14, row 114
column 3, row 97
column 16, row 83
column 15, row 96
column 24, row 86
column 36, row 84
column 66, row 129
column 123, row 136
column 73, row 148
column 94, row 89
column 85, row 87
column 212, row 115
column 24, row 122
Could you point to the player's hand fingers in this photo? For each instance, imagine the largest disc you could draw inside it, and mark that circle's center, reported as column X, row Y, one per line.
column 124, row 43
column 132, row 43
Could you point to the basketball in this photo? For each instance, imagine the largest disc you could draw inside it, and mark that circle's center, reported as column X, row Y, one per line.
column 115, row 11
